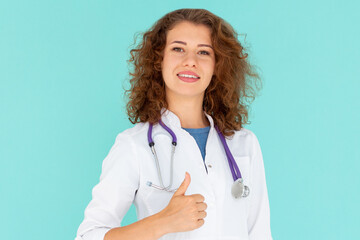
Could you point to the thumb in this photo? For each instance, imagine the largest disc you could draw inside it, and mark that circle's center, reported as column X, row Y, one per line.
column 184, row 185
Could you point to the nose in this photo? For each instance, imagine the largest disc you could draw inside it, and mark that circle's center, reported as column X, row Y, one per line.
column 190, row 60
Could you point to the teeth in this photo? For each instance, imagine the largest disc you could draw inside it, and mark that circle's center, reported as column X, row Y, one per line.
column 188, row 76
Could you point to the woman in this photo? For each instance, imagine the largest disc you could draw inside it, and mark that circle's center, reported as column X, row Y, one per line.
column 188, row 90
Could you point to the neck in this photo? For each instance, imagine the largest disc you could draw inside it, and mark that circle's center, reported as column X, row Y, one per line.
column 189, row 111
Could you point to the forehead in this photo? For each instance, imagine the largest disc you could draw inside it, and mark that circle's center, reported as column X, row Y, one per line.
column 189, row 32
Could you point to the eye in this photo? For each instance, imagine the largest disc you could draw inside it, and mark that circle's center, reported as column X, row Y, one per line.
column 204, row 53
column 177, row 49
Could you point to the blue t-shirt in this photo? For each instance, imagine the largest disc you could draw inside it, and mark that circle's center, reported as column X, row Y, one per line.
column 200, row 135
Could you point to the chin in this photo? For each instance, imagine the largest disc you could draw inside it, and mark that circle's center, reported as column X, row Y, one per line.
column 185, row 91
column 189, row 93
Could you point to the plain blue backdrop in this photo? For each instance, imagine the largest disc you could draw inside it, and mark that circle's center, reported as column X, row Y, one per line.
column 62, row 72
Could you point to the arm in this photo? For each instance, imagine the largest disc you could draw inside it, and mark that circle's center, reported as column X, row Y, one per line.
column 150, row 228
column 115, row 192
column 259, row 213
column 183, row 213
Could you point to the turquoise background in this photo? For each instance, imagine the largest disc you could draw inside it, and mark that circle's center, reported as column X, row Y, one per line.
column 62, row 72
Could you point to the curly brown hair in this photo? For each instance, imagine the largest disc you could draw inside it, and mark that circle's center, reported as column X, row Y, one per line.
column 232, row 87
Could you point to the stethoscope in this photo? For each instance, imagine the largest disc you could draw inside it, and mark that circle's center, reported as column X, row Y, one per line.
column 238, row 190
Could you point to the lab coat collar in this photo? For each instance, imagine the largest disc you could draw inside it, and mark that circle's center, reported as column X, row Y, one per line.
column 168, row 117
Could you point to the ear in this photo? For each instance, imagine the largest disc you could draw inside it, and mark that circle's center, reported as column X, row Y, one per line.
column 158, row 66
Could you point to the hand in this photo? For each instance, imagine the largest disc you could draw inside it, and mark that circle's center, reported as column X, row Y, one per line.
column 184, row 213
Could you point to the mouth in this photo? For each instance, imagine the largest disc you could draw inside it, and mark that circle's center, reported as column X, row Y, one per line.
column 188, row 76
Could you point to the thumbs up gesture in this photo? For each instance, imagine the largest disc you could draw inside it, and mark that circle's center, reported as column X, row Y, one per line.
column 184, row 212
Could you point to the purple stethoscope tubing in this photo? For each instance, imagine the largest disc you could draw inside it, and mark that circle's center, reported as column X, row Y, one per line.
column 151, row 141
column 232, row 163
column 236, row 174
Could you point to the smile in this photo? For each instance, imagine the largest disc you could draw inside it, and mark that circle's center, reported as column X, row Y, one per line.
column 188, row 78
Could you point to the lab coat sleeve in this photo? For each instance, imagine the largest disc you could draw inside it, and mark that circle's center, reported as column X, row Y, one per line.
column 259, row 210
column 115, row 192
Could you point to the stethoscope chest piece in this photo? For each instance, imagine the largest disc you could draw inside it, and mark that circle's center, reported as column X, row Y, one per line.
column 239, row 190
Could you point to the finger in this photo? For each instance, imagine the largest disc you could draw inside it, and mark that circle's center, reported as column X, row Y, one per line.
column 202, row 214
column 198, row 198
column 201, row 206
column 184, row 185
column 200, row 222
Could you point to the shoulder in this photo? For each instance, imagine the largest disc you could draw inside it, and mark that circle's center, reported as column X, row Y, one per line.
column 246, row 141
column 125, row 149
column 138, row 130
column 128, row 140
column 244, row 134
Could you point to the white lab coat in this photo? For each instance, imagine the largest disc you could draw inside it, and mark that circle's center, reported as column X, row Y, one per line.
column 130, row 164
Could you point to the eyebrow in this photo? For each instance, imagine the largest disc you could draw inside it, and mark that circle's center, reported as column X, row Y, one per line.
column 199, row 45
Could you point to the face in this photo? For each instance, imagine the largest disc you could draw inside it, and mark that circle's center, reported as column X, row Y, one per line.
column 188, row 60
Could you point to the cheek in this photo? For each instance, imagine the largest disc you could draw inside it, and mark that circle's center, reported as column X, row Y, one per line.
column 213, row 64
column 210, row 67
column 171, row 60
column 167, row 69
column 166, row 63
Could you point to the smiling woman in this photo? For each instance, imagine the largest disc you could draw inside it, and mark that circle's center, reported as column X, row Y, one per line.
column 188, row 58
column 233, row 81
column 189, row 87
